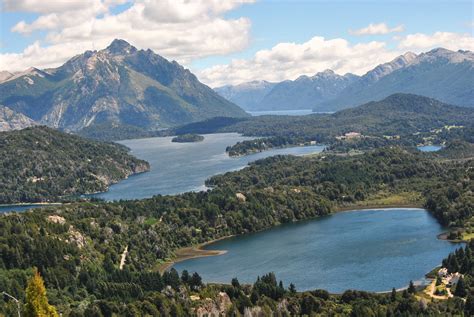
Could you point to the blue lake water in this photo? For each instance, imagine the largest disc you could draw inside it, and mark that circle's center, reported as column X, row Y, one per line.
column 372, row 250
column 8, row 208
column 429, row 148
column 302, row 112
column 182, row 167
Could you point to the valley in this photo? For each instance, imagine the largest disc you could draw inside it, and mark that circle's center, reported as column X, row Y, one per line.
column 236, row 158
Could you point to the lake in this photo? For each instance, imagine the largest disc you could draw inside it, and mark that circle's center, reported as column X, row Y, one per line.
column 372, row 250
column 429, row 148
column 183, row 167
column 8, row 208
column 302, row 112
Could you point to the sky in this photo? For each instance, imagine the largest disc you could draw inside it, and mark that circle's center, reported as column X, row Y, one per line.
column 235, row 41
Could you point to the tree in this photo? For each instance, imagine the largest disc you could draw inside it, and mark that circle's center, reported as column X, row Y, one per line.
column 411, row 288
column 393, row 296
column 469, row 307
column 460, row 288
column 196, row 281
column 185, row 277
column 292, row 288
column 235, row 283
column 36, row 300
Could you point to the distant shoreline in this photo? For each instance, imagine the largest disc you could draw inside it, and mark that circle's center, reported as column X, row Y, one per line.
column 197, row 251
column 30, row 204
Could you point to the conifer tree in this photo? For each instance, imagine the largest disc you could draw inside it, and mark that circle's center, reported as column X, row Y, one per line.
column 36, row 300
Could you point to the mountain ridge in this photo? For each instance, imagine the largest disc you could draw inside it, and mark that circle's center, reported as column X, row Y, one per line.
column 118, row 84
column 298, row 93
column 439, row 73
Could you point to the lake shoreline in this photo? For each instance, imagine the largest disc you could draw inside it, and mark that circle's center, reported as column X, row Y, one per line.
column 198, row 251
column 192, row 252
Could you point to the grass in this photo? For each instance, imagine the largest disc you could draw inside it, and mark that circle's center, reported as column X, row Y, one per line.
column 151, row 221
column 388, row 199
column 468, row 236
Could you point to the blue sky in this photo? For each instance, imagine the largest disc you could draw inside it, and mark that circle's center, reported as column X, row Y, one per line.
column 221, row 41
column 275, row 21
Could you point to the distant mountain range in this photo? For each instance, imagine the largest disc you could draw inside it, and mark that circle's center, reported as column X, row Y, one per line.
column 119, row 85
column 440, row 73
column 246, row 95
column 301, row 93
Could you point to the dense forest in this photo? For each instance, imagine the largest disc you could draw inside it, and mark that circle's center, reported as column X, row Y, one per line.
column 400, row 119
column 42, row 164
column 77, row 247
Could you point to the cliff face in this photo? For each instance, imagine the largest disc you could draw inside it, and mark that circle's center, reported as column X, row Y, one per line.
column 11, row 120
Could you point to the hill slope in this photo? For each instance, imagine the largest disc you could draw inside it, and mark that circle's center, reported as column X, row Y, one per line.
column 442, row 74
column 120, row 85
column 397, row 114
column 41, row 164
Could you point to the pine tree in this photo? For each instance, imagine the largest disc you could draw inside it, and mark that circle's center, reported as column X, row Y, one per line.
column 411, row 288
column 36, row 300
column 460, row 288
column 292, row 288
column 393, row 295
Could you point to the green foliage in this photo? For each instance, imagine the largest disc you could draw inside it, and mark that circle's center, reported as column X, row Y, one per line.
column 400, row 119
column 36, row 301
column 186, row 138
column 42, row 164
column 79, row 257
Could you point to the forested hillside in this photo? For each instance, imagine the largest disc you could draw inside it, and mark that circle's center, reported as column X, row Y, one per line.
column 40, row 164
column 400, row 119
column 77, row 248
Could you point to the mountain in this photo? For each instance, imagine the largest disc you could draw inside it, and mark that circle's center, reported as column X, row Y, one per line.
column 246, row 95
column 43, row 164
column 11, row 120
column 301, row 93
column 4, row 75
column 119, row 84
column 440, row 73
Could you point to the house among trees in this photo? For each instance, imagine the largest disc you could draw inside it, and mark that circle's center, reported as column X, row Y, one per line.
column 449, row 279
column 349, row 135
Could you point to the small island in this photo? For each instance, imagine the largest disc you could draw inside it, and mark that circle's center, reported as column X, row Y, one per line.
column 187, row 138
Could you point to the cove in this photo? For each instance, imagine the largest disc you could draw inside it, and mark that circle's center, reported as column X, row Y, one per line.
column 181, row 167
column 371, row 250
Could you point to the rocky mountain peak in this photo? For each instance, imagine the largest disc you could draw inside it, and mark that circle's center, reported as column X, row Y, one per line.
column 120, row 47
column 387, row 68
column 445, row 55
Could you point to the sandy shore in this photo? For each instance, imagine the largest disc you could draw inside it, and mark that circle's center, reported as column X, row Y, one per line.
column 31, row 204
column 191, row 253
column 187, row 253
column 375, row 206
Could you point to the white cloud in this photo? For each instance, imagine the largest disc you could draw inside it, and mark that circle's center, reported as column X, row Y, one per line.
column 182, row 30
column 377, row 29
column 451, row 41
column 52, row 6
column 290, row 60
